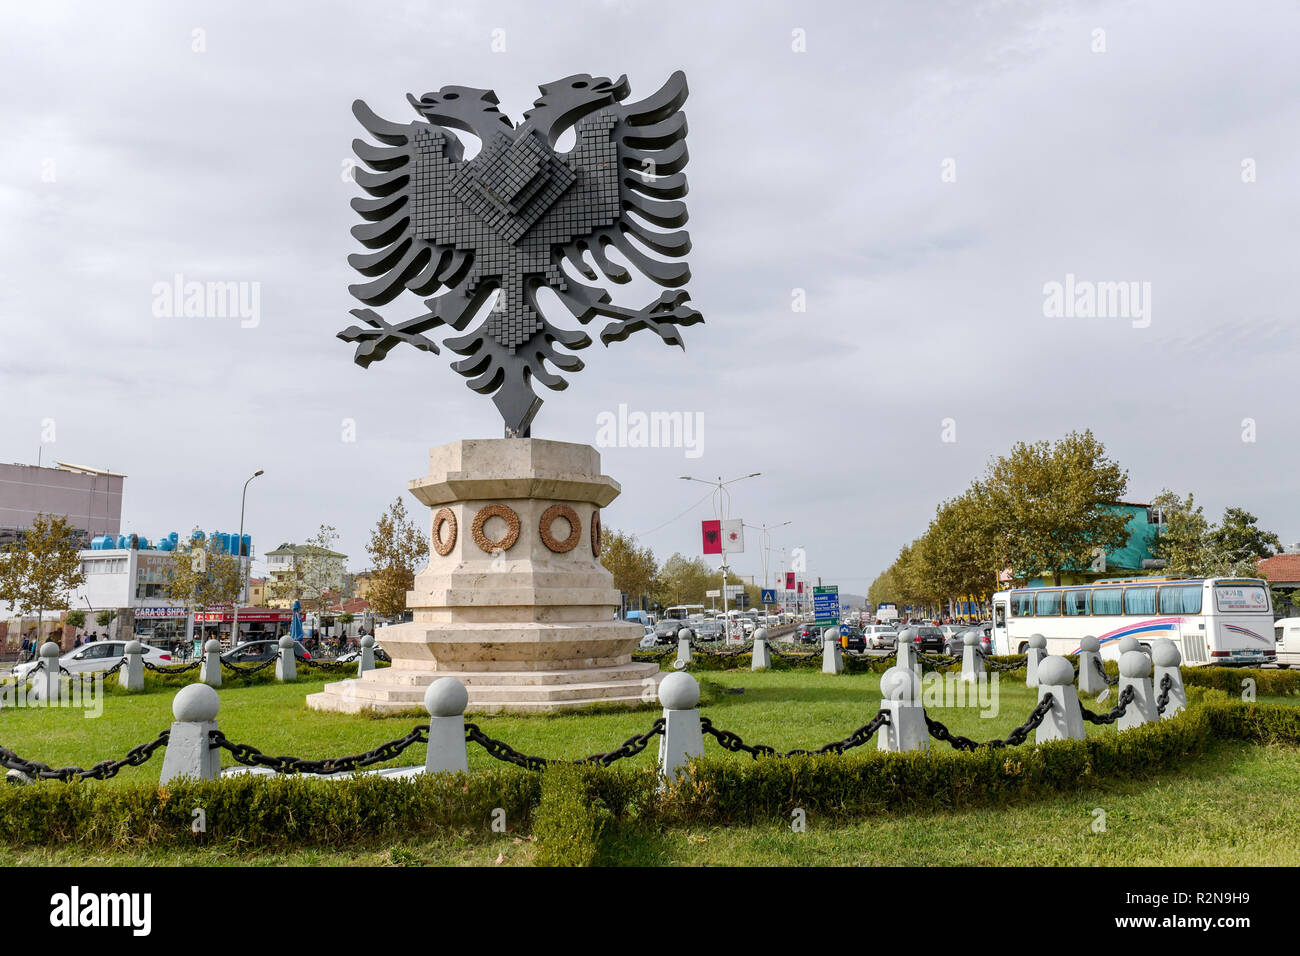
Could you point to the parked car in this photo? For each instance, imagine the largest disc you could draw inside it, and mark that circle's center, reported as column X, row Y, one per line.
column 709, row 631
column 809, row 634
column 928, row 638
column 855, row 640
column 349, row 657
column 954, row 643
column 881, row 636
column 649, row 640
column 255, row 652
column 95, row 656
column 666, row 631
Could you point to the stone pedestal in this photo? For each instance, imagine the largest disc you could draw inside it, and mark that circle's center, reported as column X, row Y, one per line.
column 514, row 602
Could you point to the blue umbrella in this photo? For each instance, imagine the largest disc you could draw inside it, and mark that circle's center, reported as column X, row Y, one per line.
column 295, row 625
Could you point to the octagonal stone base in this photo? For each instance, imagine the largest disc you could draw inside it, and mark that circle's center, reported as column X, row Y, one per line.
column 525, row 621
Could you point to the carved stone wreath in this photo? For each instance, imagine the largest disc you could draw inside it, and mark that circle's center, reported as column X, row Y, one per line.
column 595, row 533
column 512, row 530
column 575, row 528
column 444, row 516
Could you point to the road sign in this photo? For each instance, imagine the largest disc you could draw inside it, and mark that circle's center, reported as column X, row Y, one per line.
column 826, row 604
column 769, row 595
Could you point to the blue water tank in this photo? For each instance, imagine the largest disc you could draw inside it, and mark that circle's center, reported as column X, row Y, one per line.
column 223, row 541
column 143, row 543
column 103, row 542
column 123, row 541
column 166, row 544
column 247, row 545
column 174, row 538
column 197, row 536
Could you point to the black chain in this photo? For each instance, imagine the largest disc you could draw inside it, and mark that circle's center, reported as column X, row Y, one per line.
column 1101, row 671
column 172, row 668
column 1004, row 665
column 1125, row 698
column 382, row 655
column 732, row 741
column 504, row 752
column 1166, row 685
column 1014, row 739
column 252, row 757
column 64, row 670
column 100, row 771
column 250, row 668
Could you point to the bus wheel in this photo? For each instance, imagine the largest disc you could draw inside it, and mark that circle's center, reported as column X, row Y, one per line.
column 1024, row 648
column 1283, row 667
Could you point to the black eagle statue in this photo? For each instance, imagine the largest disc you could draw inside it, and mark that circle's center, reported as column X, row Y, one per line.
column 455, row 231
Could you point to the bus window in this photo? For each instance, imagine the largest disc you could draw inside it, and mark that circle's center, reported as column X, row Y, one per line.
column 1181, row 599
column 1139, row 600
column 999, row 615
column 1105, row 601
column 1022, row 604
column 1076, row 603
column 1049, row 604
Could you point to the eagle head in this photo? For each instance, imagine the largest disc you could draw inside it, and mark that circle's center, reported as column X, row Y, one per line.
column 461, row 107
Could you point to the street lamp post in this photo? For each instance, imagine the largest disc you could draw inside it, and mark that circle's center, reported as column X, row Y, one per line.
column 242, row 596
column 722, row 510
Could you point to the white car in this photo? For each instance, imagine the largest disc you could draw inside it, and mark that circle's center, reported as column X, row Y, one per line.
column 1288, row 641
column 649, row 640
column 95, row 656
column 880, row 636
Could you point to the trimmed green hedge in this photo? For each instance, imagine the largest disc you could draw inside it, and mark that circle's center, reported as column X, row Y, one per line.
column 1270, row 683
column 572, row 808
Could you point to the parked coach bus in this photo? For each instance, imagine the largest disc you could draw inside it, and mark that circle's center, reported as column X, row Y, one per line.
column 1218, row 621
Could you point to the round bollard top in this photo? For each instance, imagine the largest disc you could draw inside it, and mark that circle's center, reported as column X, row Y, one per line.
column 1089, row 643
column 1127, row 644
column 49, row 649
column 1134, row 664
column 367, row 641
column 899, row 683
column 830, row 632
column 685, row 634
column 133, row 647
column 446, row 697
column 1037, row 640
column 212, row 645
column 971, row 638
column 906, row 636
column 760, row 634
column 286, row 642
column 1055, row 671
column 196, row 703
column 1165, row 653
column 679, row 691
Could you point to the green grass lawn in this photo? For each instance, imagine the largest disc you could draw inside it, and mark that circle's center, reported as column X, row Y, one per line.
column 1231, row 806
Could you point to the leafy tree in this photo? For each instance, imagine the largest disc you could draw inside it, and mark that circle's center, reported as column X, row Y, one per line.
column 75, row 619
column 199, row 576
column 684, row 580
column 1238, row 543
column 40, row 572
column 958, row 558
column 396, row 548
column 634, row 568
column 105, row 618
column 1048, row 505
column 1183, row 540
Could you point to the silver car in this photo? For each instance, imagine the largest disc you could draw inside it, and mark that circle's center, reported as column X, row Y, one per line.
column 881, row 636
column 95, row 656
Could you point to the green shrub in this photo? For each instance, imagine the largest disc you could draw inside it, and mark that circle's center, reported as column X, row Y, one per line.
column 570, row 817
column 1271, row 683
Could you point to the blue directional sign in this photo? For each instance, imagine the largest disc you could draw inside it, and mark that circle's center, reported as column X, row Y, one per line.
column 769, row 595
column 826, row 604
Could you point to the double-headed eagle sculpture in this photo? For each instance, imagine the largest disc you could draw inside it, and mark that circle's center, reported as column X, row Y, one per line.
column 455, row 231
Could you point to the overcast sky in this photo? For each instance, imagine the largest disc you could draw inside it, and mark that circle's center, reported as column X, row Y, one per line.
column 920, row 170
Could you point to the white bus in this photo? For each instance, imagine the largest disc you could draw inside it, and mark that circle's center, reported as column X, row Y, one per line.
column 1216, row 621
column 682, row 612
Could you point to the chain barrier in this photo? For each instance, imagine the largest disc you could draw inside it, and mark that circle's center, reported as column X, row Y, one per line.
column 250, row 756
column 1014, row 739
column 937, row 660
column 100, row 771
column 502, row 751
column 382, row 655
column 1166, row 685
column 172, row 668
column 1101, row 672
column 114, row 669
column 733, row 742
column 250, row 668
column 1121, row 705
column 64, row 671
column 1004, row 665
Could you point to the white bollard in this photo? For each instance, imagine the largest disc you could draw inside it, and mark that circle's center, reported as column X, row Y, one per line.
column 832, row 658
column 682, row 738
column 1127, row 644
column 189, row 749
column 286, row 666
column 131, row 674
column 1167, row 658
column 761, row 659
column 46, row 685
column 446, row 700
column 1065, row 720
column 367, row 660
column 210, row 669
column 907, row 651
column 1135, row 672
column 900, row 689
column 1033, row 657
column 684, row 637
column 1091, row 680
column 973, row 668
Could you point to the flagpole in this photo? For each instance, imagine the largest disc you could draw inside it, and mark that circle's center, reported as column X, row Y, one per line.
column 722, row 504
